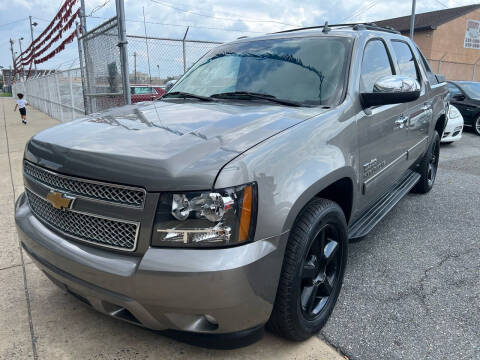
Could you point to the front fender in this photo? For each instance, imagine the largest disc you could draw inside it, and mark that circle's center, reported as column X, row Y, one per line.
column 291, row 168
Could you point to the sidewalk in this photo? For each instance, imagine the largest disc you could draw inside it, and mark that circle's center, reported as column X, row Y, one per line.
column 40, row 321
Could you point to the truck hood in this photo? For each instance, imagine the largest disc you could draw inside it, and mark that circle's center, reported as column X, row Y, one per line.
column 161, row 146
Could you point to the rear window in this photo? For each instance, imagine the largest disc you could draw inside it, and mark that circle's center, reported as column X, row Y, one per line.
column 139, row 90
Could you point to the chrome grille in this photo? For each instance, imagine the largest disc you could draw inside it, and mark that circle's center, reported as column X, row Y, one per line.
column 93, row 229
column 87, row 188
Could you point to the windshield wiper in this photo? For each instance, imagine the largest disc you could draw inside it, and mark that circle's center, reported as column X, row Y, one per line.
column 254, row 95
column 181, row 94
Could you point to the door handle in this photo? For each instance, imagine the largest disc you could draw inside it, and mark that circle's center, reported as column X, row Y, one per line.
column 401, row 122
column 426, row 106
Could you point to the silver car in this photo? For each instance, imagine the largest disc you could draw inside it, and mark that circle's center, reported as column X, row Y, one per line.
column 229, row 203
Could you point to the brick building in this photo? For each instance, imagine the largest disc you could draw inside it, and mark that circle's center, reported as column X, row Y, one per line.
column 449, row 39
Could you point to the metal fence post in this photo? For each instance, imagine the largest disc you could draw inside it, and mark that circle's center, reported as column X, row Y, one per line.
column 184, row 52
column 475, row 69
column 71, row 94
column 122, row 35
column 86, row 106
column 440, row 62
column 59, row 98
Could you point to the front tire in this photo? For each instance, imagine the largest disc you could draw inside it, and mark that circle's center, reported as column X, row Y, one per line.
column 312, row 272
column 428, row 167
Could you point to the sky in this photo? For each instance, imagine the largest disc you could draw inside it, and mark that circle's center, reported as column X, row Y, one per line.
column 214, row 20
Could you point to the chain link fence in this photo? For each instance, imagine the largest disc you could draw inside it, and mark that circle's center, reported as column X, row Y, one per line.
column 59, row 94
column 155, row 61
column 152, row 60
column 101, row 61
column 456, row 70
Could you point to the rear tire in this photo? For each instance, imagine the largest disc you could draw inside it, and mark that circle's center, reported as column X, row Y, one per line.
column 428, row 166
column 312, row 272
column 476, row 125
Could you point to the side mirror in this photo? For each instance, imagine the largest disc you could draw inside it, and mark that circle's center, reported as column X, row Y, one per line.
column 169, row 85
column 440, row 78
column 458, row 97
column 393, row 89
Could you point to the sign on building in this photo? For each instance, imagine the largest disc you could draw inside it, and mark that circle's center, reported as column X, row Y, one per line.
column 472, row 35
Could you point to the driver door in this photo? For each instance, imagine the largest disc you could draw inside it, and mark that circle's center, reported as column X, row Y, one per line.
column 382, row 131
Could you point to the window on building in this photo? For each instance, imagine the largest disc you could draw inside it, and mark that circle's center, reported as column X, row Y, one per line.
column 405, row 59
column 375, row 65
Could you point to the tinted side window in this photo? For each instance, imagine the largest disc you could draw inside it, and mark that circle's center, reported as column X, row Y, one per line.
column 405, row 59
column 430, row 75
column 375, row 65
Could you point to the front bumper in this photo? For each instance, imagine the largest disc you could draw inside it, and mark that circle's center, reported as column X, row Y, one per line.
column 197, row 290
column 452, row 135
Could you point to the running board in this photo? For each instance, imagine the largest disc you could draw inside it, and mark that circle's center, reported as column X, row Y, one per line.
column 372, row 217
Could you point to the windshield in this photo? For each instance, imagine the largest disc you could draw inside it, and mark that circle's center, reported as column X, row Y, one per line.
column 472, row 89
column 310, row 71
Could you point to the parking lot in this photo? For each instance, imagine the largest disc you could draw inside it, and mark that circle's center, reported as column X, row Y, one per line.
column 411, row 290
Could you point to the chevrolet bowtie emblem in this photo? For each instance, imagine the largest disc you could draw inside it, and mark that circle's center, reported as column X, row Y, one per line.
column 59, row 200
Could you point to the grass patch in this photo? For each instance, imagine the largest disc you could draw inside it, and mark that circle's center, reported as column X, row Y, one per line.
column 2, row 94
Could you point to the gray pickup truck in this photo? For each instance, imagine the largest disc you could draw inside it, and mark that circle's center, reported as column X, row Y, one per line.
column 229, row 203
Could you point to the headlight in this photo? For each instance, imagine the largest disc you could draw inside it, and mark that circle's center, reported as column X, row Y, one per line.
column 453, row 112
column 206, row 218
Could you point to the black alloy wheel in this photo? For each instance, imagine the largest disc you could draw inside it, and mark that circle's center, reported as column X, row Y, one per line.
column 321, row 272
column 433, row 164
column 312, row 271
column 428, row 167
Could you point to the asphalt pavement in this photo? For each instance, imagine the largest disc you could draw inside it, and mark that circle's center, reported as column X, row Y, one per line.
column 412, row 286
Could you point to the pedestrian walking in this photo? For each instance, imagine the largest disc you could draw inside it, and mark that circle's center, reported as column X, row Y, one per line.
column 22, row 107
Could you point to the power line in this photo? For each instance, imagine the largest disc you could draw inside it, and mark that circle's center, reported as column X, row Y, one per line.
column 361, row 10
column 14, row 22
column 217, row 17
column 181, row 25
column 438, row 1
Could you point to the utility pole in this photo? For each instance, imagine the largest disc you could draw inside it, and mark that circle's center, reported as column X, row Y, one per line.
column 21, row 57
column 122, row 44
column 13, row 55
column 86, row 100
column 135, row 66
column 412, row 19
column 83, row 21
column 31, row 35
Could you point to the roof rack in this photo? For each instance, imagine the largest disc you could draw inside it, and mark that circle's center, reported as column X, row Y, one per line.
column 354, row 26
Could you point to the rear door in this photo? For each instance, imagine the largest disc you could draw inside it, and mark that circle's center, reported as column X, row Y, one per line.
column 419, row 112
column 381, row 129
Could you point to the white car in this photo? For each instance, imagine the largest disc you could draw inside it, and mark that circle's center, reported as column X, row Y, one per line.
column 454, row 128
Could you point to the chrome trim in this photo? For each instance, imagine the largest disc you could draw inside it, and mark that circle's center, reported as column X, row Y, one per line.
column 415, row 146
column 382, row 171
column 137, row 232
column 125, row 187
